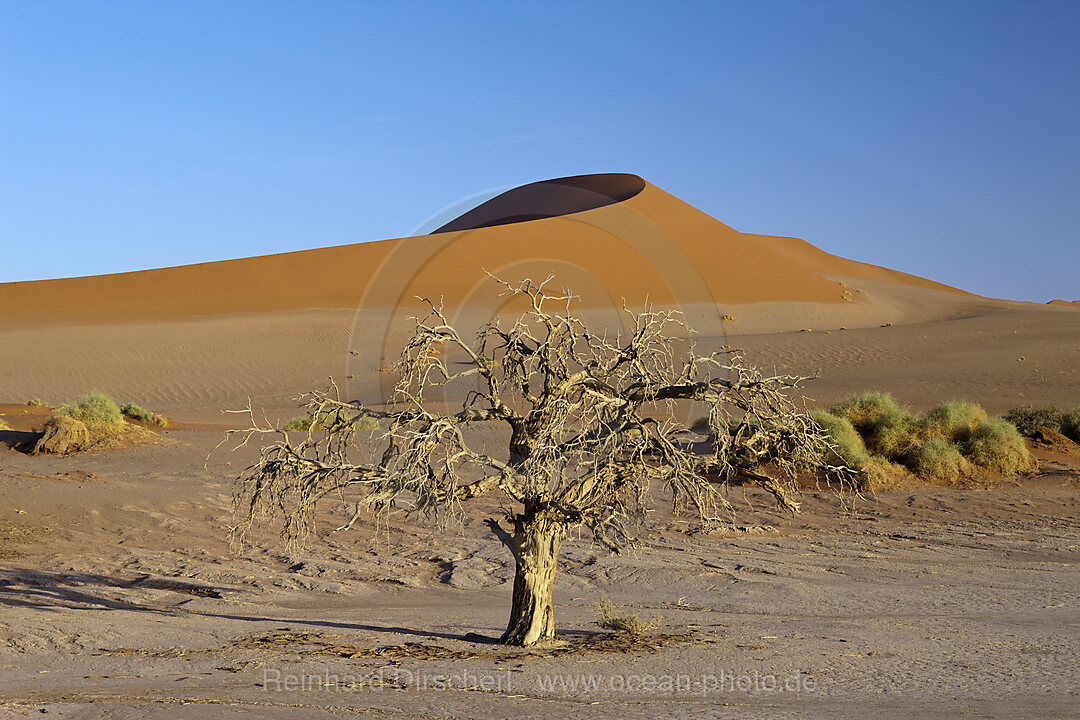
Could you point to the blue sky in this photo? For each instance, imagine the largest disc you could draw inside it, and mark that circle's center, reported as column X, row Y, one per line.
column 938, row 138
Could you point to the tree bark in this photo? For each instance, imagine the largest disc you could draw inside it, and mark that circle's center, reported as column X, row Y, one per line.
column 535, row 545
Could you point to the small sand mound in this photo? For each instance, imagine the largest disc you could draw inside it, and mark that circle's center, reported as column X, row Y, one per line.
column 1048, row 439
column 65, row 435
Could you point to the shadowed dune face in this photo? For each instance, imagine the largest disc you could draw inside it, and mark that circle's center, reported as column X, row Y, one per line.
column 549, row 198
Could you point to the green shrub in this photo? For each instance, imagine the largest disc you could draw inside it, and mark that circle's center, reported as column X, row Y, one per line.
column 137, row 413
column 1027, row 418
column 300, row 422
column 938, row 459
column 847, row 447
column 998, row 446
column 34, row 402
column 866, row 410
column 369, row 423
column 326, row 419
column 97, row 411
column 953, row 421
column 1070, row 424
column 894, row 435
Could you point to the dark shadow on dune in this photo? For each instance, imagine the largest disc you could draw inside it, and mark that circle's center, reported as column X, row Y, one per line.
column 549, row 198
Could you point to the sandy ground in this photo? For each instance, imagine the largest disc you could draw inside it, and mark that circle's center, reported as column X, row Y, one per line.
column 121, row 599
column 923, row 345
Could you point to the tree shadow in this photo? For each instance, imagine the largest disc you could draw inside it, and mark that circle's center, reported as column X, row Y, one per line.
column 45, row 590
column 53, row 591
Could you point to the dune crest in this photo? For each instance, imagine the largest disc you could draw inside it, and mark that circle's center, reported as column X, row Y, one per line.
column 608, row 236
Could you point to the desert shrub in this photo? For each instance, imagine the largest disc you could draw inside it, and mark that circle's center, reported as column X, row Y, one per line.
column 135, row 412
column 879, row 474
column 97, row 411
column 953, row 421
column 34, row 402
column 847, row 446
column 1027, row 418
column 866, row 410
column 331, row 418
column 998, row 446
column 63, row 434
column 894, row 434
column 1070, row 424
column 370, row 423
column 4, row 425
column 328, row 419
column 300, row 422
column 631, row 624
column 938, row 459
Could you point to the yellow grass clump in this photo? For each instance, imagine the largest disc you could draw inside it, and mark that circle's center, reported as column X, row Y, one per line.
column 866, row 410
column 847, row 446
column 947, row 444
column 631, row 624
column 954, row 420
column 938, row 459
column 997, row 445
column 74, row 426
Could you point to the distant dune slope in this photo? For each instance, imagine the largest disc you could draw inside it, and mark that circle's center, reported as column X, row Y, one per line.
column 190, row 341
column 608, row 236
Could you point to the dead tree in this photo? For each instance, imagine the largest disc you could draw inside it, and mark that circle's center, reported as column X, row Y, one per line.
column 591, row 426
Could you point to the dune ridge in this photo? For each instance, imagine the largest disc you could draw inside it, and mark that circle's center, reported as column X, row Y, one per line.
column 621, row 236
column 192, row 341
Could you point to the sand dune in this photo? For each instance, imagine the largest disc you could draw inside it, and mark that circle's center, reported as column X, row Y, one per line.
column 596, row 229
column 196, row 339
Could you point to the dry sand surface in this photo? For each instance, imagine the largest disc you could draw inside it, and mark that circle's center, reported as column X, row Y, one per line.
column 119, row 596
column 121, row 599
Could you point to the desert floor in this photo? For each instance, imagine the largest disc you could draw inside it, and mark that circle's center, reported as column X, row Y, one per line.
column 120, row 597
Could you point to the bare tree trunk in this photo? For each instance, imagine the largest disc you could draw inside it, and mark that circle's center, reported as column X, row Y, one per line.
column 535, row 545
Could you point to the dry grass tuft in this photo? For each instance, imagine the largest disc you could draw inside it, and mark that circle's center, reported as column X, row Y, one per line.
column 938, row 459
column 847, row 446
column 631, row 624
column 97, row 411
column 135, row 412
column 329, row 420
column 866, row 410
column 894, row 435
column 953, row 421
column 998, row 446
